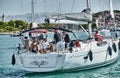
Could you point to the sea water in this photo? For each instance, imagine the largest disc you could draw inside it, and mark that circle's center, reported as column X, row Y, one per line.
column 7, row 70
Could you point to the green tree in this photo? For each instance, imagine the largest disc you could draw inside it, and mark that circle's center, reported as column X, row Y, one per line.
column 85, row 26
column 3, row 24
column 11, row 23
column 9, row 28
column 19, row 23
column 94, row 26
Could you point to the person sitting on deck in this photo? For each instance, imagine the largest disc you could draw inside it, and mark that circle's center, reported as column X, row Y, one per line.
column 66, row 38
column 47, row 44
column 34, row 46
column 98, row 37
column 43, row 47
column 26, row 43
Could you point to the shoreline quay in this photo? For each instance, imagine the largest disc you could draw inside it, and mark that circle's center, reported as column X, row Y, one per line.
column 6, row 33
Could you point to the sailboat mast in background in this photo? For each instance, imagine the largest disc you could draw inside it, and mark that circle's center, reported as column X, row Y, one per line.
column 112, row 13
column 90, row 19
column 88, row 4
column 32, row 11
column 111, row 9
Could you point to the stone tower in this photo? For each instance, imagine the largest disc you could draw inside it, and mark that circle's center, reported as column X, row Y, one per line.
column 3, row 18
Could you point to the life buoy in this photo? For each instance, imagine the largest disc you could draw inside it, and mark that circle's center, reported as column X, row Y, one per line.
column 60, row 46
column 109, row 51
column 13, row 59
column 77, row 43
column 114, row 47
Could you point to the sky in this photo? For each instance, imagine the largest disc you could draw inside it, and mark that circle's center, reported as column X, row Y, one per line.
column 20, row 7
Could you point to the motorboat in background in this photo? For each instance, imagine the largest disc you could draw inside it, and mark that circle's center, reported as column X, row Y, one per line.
column 15, row 34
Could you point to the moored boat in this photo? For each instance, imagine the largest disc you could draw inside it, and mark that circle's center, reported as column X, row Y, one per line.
column 15, row 34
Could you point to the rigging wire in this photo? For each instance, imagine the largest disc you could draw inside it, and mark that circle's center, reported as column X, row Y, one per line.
column 73, row 5
column 45, row 8
column 56, row 9
column 60, row 6
column 56, row 5
column 22, row 6
column 100, row 4
column 102, row 9
column 78, row 7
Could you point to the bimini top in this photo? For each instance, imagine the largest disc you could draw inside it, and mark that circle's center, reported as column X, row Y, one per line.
column 38, row 31
column 46, row 29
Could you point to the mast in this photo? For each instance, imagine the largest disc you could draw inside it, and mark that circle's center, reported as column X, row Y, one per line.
column 90, row 20
column 32, row 11
column 88, row 4
column 111, row 9
column 112, row 13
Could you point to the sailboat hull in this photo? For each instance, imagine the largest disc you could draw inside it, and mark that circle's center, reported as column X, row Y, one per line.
column 86, row 57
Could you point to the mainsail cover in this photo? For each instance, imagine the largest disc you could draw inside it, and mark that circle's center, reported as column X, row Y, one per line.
column 84, row 16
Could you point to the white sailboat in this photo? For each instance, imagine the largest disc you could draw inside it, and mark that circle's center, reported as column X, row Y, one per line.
column 89, row 54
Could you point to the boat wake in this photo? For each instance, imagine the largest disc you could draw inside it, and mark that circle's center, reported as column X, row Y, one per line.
column 11, row 74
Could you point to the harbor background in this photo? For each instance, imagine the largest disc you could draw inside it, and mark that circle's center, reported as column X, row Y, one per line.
column 7, row 49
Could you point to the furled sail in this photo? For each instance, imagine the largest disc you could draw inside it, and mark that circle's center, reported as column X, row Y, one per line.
column 84, row 16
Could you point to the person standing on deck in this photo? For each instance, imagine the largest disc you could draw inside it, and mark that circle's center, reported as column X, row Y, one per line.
column 57, row 36
column 66, row 38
